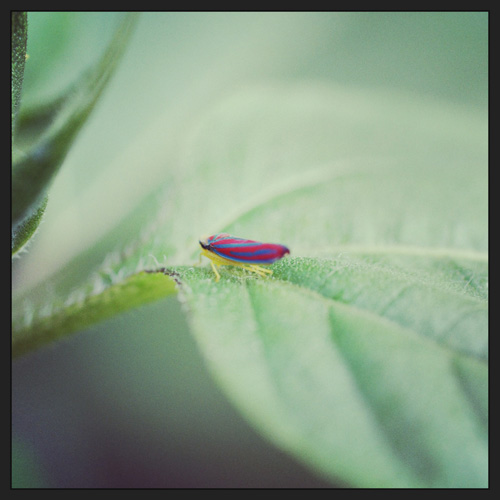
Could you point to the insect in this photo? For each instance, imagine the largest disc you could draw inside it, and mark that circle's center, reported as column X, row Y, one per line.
column 225, row 250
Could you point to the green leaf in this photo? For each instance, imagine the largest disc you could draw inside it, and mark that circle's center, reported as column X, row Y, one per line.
column 81, row 311
column 52, row 128
column 27, row 228
column 359, row 368
column 365, row 354
column 19, row 35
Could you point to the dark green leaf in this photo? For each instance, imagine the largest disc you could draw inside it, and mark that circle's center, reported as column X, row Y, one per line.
column 25, row 230
column 54, row 127
column 19, row 39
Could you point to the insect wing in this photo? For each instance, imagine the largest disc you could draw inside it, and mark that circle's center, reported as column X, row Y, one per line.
column 246, row 251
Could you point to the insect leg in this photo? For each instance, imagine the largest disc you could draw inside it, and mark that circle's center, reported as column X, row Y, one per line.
column 262, row 269
column 256, row 269
column 217, row 275
column 199, row 261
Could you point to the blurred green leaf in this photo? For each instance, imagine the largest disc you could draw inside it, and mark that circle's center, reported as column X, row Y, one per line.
column 19, row 30
column 365, row 355
column 52, row 127
column 26, row 229
column 85, row 309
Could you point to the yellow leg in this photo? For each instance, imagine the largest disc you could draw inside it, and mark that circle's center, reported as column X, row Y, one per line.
column 216, row 261
column 217, row 275
column 261, row 271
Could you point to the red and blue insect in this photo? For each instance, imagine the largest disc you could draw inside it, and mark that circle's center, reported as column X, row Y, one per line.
column 225, row 250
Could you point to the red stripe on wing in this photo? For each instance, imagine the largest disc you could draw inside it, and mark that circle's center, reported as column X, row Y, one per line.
column 246, row 251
